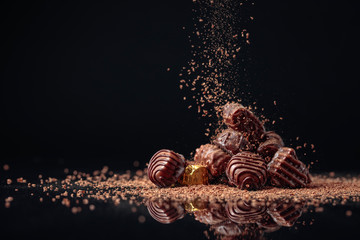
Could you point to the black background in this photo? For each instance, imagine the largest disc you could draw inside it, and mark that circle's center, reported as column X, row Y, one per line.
column 86, row 84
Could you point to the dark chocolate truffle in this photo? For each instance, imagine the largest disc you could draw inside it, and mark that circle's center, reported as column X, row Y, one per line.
column 165, row 211
column 243, row 212
column 213, row 158
column 166, row 167
column 286, row 170
column 246, row 170
column 232, row 141
column 269, row 147
column 239, row 118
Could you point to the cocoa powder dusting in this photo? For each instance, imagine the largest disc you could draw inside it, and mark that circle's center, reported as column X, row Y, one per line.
column 324, row 189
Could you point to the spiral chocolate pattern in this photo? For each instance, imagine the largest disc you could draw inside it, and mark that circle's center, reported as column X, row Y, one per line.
column 270, row 146
column 165, row 168
column 286, row 213
column 239, row 118
column 247, row 170
column 232, row 141
column 165, row 211
column 243, row 212
column 213, row 158
column 286, row 170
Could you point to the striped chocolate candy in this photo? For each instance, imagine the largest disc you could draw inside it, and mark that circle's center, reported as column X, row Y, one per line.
column 286, row 170
column 165, row 211
column 239, row 118
column 232, row 141
column 246, row 170
column 166, row 167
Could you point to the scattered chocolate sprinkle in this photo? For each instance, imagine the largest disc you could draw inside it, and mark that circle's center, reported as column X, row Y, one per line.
column 6, row 167
column 348, row 213
column 141, row 219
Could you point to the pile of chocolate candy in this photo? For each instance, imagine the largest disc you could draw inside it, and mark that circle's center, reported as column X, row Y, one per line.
column 243, row 155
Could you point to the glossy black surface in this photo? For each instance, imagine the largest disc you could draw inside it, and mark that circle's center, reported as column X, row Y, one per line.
column 28, row 217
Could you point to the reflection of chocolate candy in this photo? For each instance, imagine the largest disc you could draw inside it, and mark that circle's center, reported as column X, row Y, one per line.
column 269, row 147
column 165, row 211
column 165, row 168
column 246, row 170
column 213, row 214
column 232, row 141
column 226, row 228
column 286, row 214
column 286, row 170
column 239, row 118
column 231, row 231
column 243, row 212
column 195, row 175
column 268, row 224
column 213, row 158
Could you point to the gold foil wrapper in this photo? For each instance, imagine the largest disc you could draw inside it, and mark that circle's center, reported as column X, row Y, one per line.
column 195, row 175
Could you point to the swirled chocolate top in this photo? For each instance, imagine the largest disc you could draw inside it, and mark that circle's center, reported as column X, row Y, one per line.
column 247, row 170
column 166, row 167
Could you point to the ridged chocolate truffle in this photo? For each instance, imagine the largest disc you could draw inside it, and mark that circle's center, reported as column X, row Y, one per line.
column 286, row 170
column 166, row 167
column 165, row 211
column 286, row 213
column 239, row 118
column 270, row 146
column 213, row 158
column 232, row 141
column 243, row 212
column 246, row 170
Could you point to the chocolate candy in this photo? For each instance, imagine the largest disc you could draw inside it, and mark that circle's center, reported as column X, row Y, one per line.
column 195, row 175
column 227, row 229
column 239, row 118
column 213, row 214
column 268, row 224
column 246, row 170
column 165, row 211
column 286, row 213
column 243, row 212
column 286, row 170
column 232, row 141
column 269, row 147
column 231, row 231
column 166, row 167
column 213, row 158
